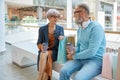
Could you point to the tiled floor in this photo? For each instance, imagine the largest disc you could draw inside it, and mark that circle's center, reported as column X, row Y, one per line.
column 9, row 71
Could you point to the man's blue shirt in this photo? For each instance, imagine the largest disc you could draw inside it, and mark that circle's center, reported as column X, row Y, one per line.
column 91, row 41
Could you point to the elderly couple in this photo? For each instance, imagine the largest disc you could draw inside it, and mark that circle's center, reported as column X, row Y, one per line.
column 87, row 55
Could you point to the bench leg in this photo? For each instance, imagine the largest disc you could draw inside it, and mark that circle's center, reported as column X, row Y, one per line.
column 19, row 58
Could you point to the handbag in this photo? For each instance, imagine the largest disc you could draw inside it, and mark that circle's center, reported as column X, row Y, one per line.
column 61, row 58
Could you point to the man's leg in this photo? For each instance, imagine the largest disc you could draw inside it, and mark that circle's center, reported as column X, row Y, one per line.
column 89, row 70
column 69, row 68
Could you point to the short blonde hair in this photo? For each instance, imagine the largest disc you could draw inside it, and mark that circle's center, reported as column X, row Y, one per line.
column 52, row 12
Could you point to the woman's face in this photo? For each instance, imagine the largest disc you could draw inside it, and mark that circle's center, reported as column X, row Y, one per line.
column 53, row 19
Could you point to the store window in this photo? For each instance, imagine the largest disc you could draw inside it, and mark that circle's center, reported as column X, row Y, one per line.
column 108, row 10
column 118, row 18
column 60, row 5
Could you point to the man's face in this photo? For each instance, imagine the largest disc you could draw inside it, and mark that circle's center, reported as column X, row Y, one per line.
column 78, row 15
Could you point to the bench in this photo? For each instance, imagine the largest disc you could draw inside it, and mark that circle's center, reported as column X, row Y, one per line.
column 25, row 53
column 24, row 47
column 22, row 36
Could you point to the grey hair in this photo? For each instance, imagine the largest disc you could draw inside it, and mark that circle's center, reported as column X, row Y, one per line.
column 52, row 12
column 85, row 7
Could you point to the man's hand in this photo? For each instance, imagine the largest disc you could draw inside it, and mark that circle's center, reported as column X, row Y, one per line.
column 69, row 56
column 70, row 53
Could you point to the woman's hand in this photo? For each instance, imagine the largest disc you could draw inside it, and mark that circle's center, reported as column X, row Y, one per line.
column 43, row 47
column 60, row 37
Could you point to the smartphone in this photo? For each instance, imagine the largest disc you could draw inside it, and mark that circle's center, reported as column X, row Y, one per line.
column 69, row 46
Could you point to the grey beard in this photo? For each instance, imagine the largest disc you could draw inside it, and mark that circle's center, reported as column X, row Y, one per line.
column 79, row 21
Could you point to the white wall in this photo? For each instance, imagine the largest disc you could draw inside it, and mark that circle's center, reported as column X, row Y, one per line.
column 2, row 25
column 101, row 18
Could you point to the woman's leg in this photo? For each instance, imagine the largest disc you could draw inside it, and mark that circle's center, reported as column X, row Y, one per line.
column 69, row 68
column 42, row 64
column 38, row 59
column 49, row 63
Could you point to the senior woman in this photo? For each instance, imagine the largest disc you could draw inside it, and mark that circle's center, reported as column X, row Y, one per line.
column 50, row 35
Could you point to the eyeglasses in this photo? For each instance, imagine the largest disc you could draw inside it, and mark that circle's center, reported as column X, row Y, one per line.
column 55, row 16
column 77, row 12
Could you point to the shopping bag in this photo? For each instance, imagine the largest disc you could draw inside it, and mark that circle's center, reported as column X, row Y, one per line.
column 109, row 70
column 71, row 38
column 118, row 66
column 107, row 66
column 114, row 65
column 61, row 58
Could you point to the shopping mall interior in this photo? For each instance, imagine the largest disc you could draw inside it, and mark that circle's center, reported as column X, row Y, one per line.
column 20, row 21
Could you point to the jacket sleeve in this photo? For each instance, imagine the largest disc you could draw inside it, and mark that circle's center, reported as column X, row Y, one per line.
column 62, row 31
column 59, row 31
column 40, row 36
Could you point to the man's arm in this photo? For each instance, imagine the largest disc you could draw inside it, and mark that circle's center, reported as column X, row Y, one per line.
column 96, row 37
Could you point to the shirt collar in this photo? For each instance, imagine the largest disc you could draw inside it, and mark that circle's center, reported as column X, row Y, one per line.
column 85, row 24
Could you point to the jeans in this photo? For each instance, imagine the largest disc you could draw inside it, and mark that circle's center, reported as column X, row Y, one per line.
column 87, row 69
